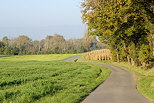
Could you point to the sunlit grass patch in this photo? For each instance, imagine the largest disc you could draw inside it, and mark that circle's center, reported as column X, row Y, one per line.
column 50, row 57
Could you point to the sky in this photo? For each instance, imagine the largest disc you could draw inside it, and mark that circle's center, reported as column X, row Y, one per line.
column 39, row 18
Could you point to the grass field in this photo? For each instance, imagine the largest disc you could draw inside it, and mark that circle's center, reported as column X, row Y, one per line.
column 145, row 78
column 51, row 57
column 43, row 79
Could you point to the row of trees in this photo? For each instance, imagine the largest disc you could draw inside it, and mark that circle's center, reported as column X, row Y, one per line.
column 50, row 45
column 127, row 26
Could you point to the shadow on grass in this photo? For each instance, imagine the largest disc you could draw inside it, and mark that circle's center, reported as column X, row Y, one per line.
column 2, row 56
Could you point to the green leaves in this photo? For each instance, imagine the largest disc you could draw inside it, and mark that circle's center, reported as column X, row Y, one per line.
column 117, row 21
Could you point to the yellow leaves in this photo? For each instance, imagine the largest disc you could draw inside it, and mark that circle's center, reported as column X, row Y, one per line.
column 87, row 15
column 121, row 3
column 135, row 18
column 108, row 32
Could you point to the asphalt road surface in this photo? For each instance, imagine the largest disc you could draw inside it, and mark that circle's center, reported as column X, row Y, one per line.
column 120, row 87
column 74, row 58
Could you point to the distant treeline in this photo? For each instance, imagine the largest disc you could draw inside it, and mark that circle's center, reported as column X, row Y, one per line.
column 56, row 44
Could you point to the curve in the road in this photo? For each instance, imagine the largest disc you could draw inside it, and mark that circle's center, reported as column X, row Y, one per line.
column 72, row 59
column 120, row 87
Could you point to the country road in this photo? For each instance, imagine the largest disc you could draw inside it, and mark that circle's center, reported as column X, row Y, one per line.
column 72, row 59
column 120, row 87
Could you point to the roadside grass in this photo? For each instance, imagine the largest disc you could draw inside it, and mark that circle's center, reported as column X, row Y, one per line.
column 30, row 79
column 146, row 87
column 145, row 78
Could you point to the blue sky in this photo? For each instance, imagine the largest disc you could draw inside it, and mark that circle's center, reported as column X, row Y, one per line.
column 38, row 18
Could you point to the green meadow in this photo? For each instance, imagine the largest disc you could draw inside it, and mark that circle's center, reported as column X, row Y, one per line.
column 50, row 57
column 47, row 79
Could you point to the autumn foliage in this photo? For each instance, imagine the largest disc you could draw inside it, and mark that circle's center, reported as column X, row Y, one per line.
column 103, row 54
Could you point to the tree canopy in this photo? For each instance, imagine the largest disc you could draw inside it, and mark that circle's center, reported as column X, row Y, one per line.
column 125, row 25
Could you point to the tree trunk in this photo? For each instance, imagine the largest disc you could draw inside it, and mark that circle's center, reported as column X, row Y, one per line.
column 132, row 62
column 128, row 60
column 118, row 58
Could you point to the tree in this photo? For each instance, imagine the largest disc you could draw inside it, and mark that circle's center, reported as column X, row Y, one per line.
column 24, row 44
column 2, row 48
column 122, row 24
column 5, row 40
column 54, row 44
column 35, row 47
